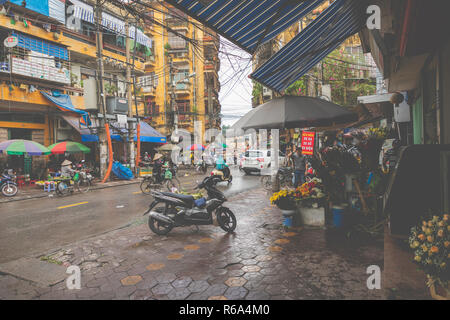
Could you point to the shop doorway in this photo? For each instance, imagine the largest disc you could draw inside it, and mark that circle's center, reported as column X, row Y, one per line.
column 21, row 164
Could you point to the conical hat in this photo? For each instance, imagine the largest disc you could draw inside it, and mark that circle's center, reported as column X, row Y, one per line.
column 157, row 156
column 66, row 163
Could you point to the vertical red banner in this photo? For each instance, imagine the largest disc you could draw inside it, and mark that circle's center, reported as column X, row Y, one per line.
column 308, row 142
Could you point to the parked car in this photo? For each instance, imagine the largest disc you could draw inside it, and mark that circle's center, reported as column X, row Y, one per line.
column 256, row 160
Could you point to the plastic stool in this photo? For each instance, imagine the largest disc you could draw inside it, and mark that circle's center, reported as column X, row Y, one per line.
column 49, row 186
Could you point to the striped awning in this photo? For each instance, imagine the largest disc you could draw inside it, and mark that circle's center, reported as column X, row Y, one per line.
column 335, row 24
column 247, row 23
column 86, row 13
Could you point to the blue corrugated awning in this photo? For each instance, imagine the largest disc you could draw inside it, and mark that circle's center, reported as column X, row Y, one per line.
column 248, row 23
column 149, row 134
column 335, row 24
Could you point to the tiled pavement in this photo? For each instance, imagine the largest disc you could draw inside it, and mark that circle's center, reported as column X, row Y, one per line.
column 259, row 261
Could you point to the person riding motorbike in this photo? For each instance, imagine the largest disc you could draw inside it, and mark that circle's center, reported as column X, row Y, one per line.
column 222, row 166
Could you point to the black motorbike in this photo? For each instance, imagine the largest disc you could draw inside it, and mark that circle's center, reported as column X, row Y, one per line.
column 7, row 185
column 170, row 210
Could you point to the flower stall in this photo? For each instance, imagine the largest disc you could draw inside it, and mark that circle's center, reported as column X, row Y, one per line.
column 303, row 205
column 431, row 244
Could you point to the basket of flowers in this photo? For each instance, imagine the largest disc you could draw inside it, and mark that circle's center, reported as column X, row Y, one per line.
column 284, row 199
column 431, row 243
column 310, row 194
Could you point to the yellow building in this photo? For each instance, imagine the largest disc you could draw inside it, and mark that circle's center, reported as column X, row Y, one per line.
column 56, row 51
column 181, row 84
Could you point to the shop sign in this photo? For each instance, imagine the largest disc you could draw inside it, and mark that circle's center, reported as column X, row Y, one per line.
column 308, row 142
column 11, row 42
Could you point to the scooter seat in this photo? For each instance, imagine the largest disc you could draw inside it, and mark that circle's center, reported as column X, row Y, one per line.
column 189, row 200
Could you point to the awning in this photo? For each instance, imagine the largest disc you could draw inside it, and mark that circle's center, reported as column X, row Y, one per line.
column 149, row 134
column 340, row 20
column 247, row 23
column 63, row 102
column 86, row 135
column 407, row 75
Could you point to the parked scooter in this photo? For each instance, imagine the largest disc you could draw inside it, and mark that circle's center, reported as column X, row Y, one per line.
column 170, row 210
column 8, row 186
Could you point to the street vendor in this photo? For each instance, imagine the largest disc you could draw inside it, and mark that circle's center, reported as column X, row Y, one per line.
column 299, row 162
column 66, row 170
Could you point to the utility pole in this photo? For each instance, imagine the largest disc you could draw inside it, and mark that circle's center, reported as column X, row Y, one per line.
column 101, row 99
column 129, row 95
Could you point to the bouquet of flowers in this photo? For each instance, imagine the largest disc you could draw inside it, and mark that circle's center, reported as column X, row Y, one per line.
column 310, row 193
column 284, row 199
column 431, row 244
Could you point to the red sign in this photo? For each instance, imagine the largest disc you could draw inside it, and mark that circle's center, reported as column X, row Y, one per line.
column 308, row 142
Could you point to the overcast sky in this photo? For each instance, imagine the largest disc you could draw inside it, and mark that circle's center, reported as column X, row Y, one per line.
column 236, row 88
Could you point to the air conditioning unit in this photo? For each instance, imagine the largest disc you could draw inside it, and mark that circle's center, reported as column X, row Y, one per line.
column 267, row 93
column 116, row 105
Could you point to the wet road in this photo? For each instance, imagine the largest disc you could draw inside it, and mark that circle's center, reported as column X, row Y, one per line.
column 32, row 226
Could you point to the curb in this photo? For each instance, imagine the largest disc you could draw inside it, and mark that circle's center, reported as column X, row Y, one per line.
column 37, row 196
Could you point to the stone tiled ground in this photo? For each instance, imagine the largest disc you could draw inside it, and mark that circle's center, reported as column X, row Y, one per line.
column 259, row 261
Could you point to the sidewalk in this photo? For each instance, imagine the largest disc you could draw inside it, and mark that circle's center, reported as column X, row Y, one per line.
column 34, row 192
column 259, row 261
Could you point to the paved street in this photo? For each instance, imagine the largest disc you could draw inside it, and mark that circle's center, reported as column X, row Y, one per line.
column 32, row 226
column 259, row 261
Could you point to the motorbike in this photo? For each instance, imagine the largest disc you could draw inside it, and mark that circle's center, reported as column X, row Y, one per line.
column 8, row 186
column 170, row 210
column 222, row 171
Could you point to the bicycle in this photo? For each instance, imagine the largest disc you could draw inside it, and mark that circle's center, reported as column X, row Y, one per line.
column 67, row 185
column 168, row 179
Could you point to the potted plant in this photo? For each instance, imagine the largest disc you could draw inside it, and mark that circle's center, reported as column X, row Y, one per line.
column 431, row 243
column 285, row 200
column 111, row 89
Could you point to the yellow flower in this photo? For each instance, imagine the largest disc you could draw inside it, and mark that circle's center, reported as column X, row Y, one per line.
column 443, row 264
column 441, row 223
column 414, row 244
column 424, row 223
column 430, row 238
column 421, row 237
column 428, row 261
column 424, row 248
column 417, row 258
column 428, row 231
column 441, row 233
column 424, row 228
column 446, row 244
column 445, row 217
column 430, row 223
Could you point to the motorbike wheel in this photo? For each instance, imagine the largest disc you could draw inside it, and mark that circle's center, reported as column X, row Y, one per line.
column 83, row 186
column 158, row 227
column 226, row 219
column 173, row 183
column 205, row 168
column 146, row 185
column 230, row 179
column 9, row 190
column 266, row 182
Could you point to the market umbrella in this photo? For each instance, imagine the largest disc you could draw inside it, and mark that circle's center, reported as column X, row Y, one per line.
column 196, row 147
column 298, row 112
column 68, row 147
column 23, row 147
column 238, row 125
column 169, row 147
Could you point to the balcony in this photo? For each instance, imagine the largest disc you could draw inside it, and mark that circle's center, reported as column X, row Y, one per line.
column 22, row 95
column 211, row 41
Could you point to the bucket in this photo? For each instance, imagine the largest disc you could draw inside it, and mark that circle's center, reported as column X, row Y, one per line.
column 339, row 214
column 288, row 216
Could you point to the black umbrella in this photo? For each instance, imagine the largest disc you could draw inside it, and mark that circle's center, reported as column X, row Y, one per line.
column 298, row 112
